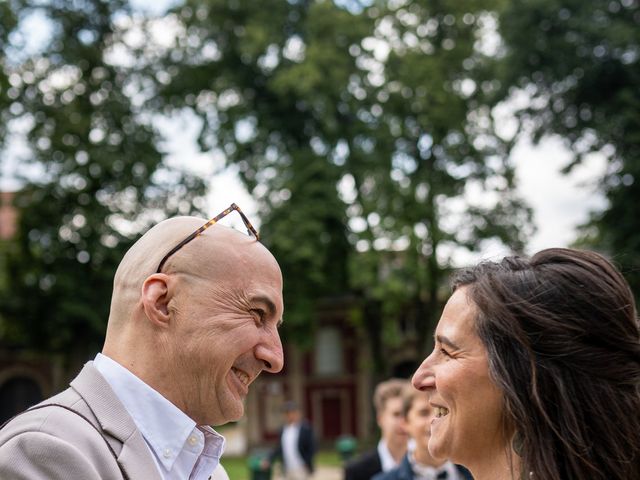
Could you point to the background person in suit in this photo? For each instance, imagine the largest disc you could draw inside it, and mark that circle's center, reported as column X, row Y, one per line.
column 418, row 463
column 193, row 321
column 387, row 400
column 296, row 445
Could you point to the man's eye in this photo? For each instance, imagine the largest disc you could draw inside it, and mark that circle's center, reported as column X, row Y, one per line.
column 259, row 314
column 444, row 352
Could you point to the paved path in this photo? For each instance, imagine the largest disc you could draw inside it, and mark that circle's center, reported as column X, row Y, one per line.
column 328, row 473
column 321, row 473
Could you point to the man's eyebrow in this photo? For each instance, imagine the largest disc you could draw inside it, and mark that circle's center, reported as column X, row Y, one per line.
column 271, row 307
column 447, row 341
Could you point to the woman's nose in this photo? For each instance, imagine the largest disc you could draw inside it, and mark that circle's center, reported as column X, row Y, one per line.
column 424, row 377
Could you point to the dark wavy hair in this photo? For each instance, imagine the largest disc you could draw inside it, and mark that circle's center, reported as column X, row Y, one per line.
column 563, row 342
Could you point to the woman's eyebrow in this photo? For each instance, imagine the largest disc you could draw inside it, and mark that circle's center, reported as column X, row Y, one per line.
column 447, row 341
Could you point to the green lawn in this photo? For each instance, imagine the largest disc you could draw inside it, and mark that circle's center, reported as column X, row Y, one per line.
column 329, row 458
column 238, row 468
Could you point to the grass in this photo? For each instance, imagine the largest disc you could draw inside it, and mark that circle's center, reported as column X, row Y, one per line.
column 328, row 458
column 238, row 467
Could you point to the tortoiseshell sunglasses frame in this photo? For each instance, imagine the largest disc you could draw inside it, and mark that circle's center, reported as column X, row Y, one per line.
column 213, row 221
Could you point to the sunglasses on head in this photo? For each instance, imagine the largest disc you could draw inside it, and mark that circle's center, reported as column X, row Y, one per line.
column 213, row 221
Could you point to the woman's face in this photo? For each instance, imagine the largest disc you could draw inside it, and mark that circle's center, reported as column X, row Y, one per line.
column 467, row 403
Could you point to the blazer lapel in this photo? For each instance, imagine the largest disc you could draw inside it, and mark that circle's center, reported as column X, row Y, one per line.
column 135, row 457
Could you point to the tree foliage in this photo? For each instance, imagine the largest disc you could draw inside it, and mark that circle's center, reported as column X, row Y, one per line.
column 579, row 64
column 361, row 129
column 7, row 25
column 99, row 177
column 362, row 134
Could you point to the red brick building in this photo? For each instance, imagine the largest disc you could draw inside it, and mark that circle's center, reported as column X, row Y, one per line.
column 8, row 216
column 331, row 382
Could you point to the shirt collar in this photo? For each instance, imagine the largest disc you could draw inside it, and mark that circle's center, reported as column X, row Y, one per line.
column 292, row 426
column 422, row 471
column 165, row 438
column 386, row 460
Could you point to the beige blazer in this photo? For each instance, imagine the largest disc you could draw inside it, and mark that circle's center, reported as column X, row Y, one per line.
column 57, row 444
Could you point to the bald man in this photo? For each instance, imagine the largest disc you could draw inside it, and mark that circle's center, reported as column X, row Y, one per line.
column 190, row 328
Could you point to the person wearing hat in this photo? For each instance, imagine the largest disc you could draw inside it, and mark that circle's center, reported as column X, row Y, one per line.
column 296, row 445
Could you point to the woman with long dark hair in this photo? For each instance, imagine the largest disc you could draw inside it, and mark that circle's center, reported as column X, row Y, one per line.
column 536, row 370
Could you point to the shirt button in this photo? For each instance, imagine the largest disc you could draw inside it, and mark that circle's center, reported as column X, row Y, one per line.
column 193, row 440
column 166, row 453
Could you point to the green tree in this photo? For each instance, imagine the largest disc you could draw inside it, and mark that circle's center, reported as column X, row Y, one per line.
column 7, row 25
column 579, row 63
column 363, row 135
column 416, row 172
column 242, row 69
column 99, row 176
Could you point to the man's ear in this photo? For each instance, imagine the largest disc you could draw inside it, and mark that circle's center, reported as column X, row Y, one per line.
column 155, row 299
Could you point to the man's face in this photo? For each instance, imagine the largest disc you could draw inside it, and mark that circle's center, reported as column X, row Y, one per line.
column 225, row 334
column 418, row 421
column 390, row 421
column 292, row 416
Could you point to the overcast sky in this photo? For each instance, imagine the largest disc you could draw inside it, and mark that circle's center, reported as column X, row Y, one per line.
column 560, row 202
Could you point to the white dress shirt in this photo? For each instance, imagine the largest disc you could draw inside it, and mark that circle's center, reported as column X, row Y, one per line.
column 181, row 449
column 290, row 453
column 386, row 460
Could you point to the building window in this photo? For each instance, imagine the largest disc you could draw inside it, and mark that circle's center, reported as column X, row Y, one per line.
column 329, row 353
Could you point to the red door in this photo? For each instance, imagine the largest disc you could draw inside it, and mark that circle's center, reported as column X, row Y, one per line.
column 331, row 415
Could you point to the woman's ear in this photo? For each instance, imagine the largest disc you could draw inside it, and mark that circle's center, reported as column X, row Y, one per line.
column 517, row 443
column 155, row 299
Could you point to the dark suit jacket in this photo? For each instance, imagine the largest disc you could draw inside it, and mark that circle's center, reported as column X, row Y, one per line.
column 404, row 472
column 363, row 467
column 306, row 446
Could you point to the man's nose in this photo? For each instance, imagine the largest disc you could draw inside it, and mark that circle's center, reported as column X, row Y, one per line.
column 270, row 353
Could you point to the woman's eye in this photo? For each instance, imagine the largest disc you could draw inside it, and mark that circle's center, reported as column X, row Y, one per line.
column 444, row 352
